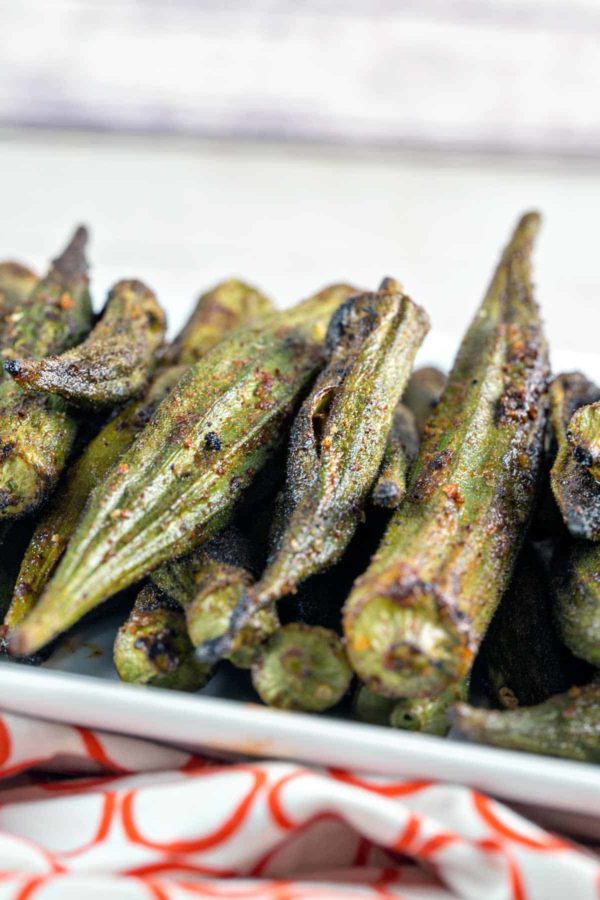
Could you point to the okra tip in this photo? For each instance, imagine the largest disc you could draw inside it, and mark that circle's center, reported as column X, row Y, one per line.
column 71, row 263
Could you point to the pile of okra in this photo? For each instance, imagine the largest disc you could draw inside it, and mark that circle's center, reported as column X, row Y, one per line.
column 283, row 492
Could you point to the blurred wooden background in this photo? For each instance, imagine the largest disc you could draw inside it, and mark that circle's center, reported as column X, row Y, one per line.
column 502, row 75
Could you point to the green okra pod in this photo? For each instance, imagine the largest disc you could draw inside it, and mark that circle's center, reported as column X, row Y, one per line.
column 522, row 661
column 584, row 436
column 575, row 490
column 302, row 667
column 113, row 364
column 179, row 482
column 37, row 432
column 206, row 326
column 339, row 436
column 371, row 707
column 566, row 725
column 152, row 647
column 16, row 284
column 401, row 449
column 576, row 582
column 415, row 619
column 429, row 715
column 423, row 392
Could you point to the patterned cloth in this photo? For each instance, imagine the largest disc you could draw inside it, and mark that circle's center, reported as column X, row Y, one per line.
column 86, row 814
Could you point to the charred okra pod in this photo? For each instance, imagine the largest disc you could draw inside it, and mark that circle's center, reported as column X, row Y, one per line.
column 415, row 619
column 56, row 527
column 302, row 667
column 16, row 284
column 177, row 485
column 339, row 436
column 575, row 490
column 430, row 715
column 152, row 646
column 577, row 598
column 567, row 725
column 37, row 432
column 400, row 452
column 584, row 437
column 423, row 392
column 114, row 362
column 522, row 661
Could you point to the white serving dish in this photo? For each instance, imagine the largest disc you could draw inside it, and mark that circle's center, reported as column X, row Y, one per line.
column 78, row 684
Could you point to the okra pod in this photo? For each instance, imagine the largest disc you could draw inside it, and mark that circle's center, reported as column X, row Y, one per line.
column 429, row 715
column 53, row 533
column 401, row 449
column 522, row 661
column 177, row 485
column 37, row 432
column 339, row 436
column 576, row 570
column 16, row 284
column 302, row 667
column 423, row 392
column 152, row 646
column 415, row 619
column 584, row 437
column 113, row 364
column 566, row 725
column 575, row 490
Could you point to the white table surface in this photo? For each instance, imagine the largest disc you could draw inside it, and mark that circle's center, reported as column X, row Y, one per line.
column 184, row 214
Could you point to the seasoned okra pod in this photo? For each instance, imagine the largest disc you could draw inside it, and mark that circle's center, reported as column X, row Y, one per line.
column 400, row 451
column 152, row 646
column 113, row 364
column 576, row 569
column 522, row 661
column 423, row 392
column 231, row 304
column 415, row 619
column 16, row 284
column 575, row 490
column 566, row 725
column 37, row 432
column 584, row 436
column 178, row 484
column 339, row 436
column 430, row 715
column 302, row 667
column 54, row 531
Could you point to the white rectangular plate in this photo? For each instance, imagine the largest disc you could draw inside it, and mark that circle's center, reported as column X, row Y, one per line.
column 79, row 684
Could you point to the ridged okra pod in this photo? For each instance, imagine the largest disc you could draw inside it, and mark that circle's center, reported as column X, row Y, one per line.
column 415, row 619
column 522, row 661
column 575, row 490
column 37, row 432
column 216, row 312
column 566, row 725
column 423, row 392
column 179, row 482
column 16, row 284
column 113, row 364
column 371, row 707
column 208, row 584
column 584, row 436
column 576, row 571
column 302, row 667
column 339, row 436
column 152, row 647
column 400, row 451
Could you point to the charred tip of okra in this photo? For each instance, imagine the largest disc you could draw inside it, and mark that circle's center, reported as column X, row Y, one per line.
column 71, row 264
column 583, row 435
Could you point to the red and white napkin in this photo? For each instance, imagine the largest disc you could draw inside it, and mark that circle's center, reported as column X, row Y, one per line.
column 87, row 815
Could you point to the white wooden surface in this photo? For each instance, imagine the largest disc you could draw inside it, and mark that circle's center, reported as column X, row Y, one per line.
column 184, row 214
column 504, row 74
